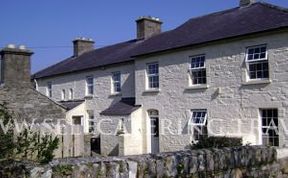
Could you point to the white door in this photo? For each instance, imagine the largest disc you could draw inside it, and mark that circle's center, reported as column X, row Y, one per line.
column 154, row 122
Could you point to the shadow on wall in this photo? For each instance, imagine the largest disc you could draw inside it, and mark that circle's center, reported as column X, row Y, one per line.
column 115, row 151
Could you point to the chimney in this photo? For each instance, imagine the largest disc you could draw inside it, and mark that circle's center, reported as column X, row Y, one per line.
column 15, row 65
column 82, row 45
column 244, row 3
column 148, row 26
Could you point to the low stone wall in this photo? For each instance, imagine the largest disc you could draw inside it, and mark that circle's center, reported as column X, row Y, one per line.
column 237, row 162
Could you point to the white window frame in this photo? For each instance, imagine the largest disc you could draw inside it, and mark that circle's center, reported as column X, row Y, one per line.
column 199, row 126
column 71, row 94
column 91, row 120
column 200, row 68
column 253, row 61
column 63, row 95
column 198, row 110
column 115, row 82
column 89, row 85
column 49, row 89
column 148, row 75
column 269, row 126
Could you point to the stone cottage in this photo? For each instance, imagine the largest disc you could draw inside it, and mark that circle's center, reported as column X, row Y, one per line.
column 17, row 91
column 221, row 74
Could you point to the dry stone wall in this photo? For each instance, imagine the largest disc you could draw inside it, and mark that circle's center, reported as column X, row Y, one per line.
column 239, row 162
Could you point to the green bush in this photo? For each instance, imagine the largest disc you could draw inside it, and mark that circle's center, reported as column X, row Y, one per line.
column 63, row 170
column 27, row 145
column 7, row 143
column 216, row 142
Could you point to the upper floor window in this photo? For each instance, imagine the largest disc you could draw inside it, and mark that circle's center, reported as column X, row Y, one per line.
column 270, row 131
column 89, row 85
column 198, row 70
column 116, row 82
column 49, row 89
column 199, row 123
column 153, row 75
column 71, row 94
column 257, row 62
column 63, row 95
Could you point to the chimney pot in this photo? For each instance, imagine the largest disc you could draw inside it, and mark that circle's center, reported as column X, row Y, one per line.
column 148, row 26
column 22, row 47
column 244, row 3
column 11, row 46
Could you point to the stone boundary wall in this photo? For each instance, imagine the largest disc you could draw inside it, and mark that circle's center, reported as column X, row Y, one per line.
column 256, row 161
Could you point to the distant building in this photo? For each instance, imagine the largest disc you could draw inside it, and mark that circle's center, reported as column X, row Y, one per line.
column 220, row 74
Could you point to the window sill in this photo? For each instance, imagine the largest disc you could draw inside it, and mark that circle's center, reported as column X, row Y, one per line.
column 197, row 87
column 257, row 82
column 88, row 97
column 154, row 90
column 116, row 94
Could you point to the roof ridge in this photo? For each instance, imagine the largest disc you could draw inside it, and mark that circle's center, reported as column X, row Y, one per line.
column 73, row 57
column 210, row 14
column 262, row 2
column 273, row 6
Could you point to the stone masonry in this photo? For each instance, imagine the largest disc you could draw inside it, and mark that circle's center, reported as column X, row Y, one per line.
column 18, row 92
column 236, row 162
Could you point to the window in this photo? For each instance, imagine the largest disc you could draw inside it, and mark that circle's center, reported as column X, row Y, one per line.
column 91, row 123
column 270, row 134
column 257, row 62
column 63, row 95
column 154, row 121
column 76, row 120
column 49, row 89
column 71, row 94
column 153, row 75
column 198, row 70
column 116, row 82
column 199, row 123
column 89, row 85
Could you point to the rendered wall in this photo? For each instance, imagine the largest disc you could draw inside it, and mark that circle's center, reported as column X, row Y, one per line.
column 229, row 99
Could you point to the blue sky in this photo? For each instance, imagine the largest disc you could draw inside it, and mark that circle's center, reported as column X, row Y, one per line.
column 48, row 27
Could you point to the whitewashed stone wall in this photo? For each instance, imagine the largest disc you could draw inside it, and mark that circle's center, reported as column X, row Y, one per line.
column 232, row 103
column 100, row 101
column 102, row 82
column 102, row 97
column 229, row 100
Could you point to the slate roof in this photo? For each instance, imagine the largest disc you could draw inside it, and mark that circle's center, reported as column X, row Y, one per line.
column 230, row 23
column 113, row 54
column 71, row 104
column 240, row 21
column 122, row 108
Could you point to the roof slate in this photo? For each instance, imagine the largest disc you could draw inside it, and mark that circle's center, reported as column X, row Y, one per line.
column 230, row 23
column 234, row 22
column 122, row 108
column 71, row 104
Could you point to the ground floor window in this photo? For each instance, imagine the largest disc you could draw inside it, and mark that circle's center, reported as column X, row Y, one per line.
column 154, row 120
column 270, row 131
column 91, row 122
column 199, row 123
column 76, row 120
